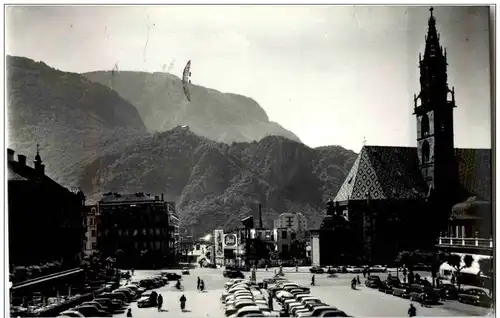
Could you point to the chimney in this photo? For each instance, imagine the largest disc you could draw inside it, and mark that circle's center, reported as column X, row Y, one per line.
column 260, row 215
column 10, row 155
column 21, row 159
column 162, row 197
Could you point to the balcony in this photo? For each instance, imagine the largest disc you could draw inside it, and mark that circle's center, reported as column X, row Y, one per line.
column 472, row 242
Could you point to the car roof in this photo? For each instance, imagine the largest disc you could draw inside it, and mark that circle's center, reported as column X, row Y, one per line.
column 248, row 308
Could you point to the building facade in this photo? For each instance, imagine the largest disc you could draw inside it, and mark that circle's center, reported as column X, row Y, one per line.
column 45, row 218
column 174, row 236
column 392, row 193
column 90, row 222
column 295, row 222
column 134, row 228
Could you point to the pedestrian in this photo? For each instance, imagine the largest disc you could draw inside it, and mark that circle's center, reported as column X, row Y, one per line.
column 132, row 272
column 313, row 280
column 129, row 312
column 364, row 272
column 160, row 302
column 183, row 302
column 198, row 284
column 270, row 302
column 412, row 311
column 202, row 285
column 357, row 279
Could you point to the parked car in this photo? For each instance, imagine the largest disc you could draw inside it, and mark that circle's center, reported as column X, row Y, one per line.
column 147, row 283
column 353, row 269
column 91, row 311
column 147, row 300
column 423, row 294
column 373, row 281
column 476, row 297
column 393, row 281
column 113, row 306
column 171, row 276
column 317, row 270
column 71, row 313
column 185, row 271
column 332, row 270
column 447, row 291
column 378, row 269
column 385, row 287
column 118, row 296
column 401, row 291
column 233, row 274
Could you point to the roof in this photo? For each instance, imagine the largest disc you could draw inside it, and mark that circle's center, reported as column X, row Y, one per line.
column 384, row 172
column 13, row 176
column 392, row 172
column 118, row 198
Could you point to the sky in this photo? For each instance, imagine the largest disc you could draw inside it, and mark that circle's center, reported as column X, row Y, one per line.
column 333, row 75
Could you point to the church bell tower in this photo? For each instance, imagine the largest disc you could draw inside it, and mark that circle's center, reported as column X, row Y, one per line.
column 433, row 108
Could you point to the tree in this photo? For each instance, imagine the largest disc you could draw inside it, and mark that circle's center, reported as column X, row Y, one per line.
column 486, row 268
column 455, row 261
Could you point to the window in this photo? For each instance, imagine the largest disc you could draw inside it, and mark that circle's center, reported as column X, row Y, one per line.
column 93, row 233
column 425, row 151
column 119, row 232
column 157, row 230
column 157, row 245
column 94, row 245
column 283, row 235
column 424, row 126
column 144, row 232
column 151, row 231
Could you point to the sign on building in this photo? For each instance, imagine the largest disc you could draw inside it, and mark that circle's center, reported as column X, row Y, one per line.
column 219, row 246
column 230, row 241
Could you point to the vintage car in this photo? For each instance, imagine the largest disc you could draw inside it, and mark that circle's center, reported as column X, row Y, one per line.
column 475, row 296
column 373, row 281
column 317, row 270
column 185, row 271
column 148, row 300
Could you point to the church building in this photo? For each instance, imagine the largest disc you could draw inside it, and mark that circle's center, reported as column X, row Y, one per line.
column 397, row 198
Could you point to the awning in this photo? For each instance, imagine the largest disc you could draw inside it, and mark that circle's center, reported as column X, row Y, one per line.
column 473, row 270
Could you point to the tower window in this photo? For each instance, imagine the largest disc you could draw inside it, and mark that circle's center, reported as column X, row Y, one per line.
column 425, row 151
column 424, row 126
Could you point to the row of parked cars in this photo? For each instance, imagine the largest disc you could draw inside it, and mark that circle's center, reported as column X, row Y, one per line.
column 423, row 291
column 243, row 298
column 150, row 299
column 297, row 301
column 348, row 269
column 115, row 299
column 107, row 303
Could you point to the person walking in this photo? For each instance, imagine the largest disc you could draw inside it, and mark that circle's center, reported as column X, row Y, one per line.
column 412, row 311
column 160, row 302
column 198, row 284
column 183, row 302
column 313, row 280
column 129, row 312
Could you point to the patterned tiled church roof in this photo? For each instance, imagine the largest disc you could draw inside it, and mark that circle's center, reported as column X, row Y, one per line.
column 392, row 173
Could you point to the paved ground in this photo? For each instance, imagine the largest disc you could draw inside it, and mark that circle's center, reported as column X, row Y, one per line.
column 336, row 291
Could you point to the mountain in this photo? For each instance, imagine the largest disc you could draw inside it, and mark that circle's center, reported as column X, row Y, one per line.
column 73, row 119
column 93, row 138
column 215, row 184
column 160, row 100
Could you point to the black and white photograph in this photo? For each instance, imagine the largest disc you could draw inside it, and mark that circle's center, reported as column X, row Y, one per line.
column 257, row 160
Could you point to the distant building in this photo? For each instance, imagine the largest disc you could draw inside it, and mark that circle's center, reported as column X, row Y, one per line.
column 283, row 238
column 137, row 225
column 296, row 222
column 174, row 236
column 45, row 218
column 91, row 233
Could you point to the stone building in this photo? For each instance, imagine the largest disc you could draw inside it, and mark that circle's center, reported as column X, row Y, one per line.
column 45, row 218
column 138, row 226
column 394, row 195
